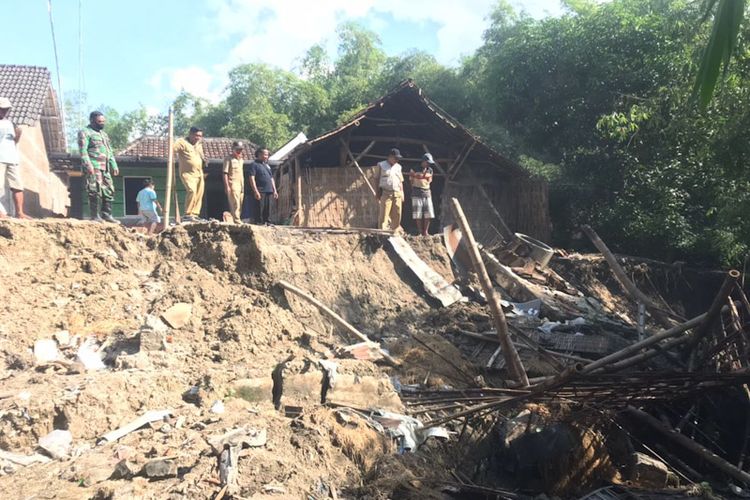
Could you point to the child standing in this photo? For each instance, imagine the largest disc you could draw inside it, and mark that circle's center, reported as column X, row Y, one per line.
column 147, row 206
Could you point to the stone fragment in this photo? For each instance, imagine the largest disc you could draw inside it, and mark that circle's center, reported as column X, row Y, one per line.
column 178, row 315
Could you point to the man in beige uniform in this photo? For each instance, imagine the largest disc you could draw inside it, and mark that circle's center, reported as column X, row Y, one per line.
column 390, row 191
column 190, row 157
column 234, row 180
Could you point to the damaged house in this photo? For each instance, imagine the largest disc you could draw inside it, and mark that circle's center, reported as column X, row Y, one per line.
column 328, row 181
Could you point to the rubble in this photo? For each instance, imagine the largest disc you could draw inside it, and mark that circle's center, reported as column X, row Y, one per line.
column 372, row 386
column 57, row 444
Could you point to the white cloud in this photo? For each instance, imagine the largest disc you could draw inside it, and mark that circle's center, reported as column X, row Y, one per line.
column 280, row 32
column 193, row 79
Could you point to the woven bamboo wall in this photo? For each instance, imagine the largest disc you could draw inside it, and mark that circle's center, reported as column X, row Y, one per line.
column 522, row 203
column 338, row 197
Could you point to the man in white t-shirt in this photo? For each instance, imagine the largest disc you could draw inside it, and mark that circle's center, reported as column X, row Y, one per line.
column 10, row 178
column 390, row 191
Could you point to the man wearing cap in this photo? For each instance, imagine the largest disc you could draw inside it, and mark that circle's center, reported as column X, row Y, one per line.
column 190, row 158
column 234, row 182
column 97, row 159
column 390, row 191
column 421, row 197
column 10, row 134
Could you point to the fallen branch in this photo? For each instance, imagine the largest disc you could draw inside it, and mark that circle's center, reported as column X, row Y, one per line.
column 512, row 360
column 335, row 317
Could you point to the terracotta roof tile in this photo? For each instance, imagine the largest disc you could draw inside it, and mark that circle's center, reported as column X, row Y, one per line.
column 215, row 148
column 27, row 87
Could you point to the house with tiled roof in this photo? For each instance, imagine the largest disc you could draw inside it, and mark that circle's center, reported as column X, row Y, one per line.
column 146, row 157
column 36, row 110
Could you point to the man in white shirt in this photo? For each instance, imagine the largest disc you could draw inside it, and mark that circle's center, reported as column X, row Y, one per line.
column 390, row 191
column 10, row 178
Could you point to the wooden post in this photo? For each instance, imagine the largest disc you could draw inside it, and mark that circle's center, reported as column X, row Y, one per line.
column 298, row 189
column 460, row 161
column 335, row 317
column 177, row 216
column 622, row 277
column 512, row 360
column 170, row 168
column 690, row 445
column 356, row 164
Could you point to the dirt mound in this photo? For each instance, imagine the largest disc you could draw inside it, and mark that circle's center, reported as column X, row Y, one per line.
column 105, row 282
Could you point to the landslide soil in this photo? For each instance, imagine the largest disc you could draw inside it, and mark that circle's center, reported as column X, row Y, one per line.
column 103, row 281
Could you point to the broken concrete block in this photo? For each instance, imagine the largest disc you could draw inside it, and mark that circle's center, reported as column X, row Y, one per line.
column 218, row 407
column 57, row 444
column 159, row 468
column 155, row 323
column 62, row 337
column 254, row 390
column 367, row 391
column 137, row 361
column 649, row 472
column 302, row 387
column 88, row 357
column 45, row 351
column 151, row 340
column 124, row 470
column 243, row 437
column 178, row 315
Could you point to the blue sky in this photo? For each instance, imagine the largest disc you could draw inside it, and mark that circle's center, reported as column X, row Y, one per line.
column 144, row 52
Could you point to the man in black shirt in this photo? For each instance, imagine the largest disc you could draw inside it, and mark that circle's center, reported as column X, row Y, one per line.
column 263, row 186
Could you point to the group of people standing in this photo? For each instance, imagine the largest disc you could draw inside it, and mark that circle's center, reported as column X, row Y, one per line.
column 99, row 164
column 390, row 192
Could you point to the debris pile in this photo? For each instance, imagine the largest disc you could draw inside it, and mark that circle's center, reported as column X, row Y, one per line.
column 226, row 361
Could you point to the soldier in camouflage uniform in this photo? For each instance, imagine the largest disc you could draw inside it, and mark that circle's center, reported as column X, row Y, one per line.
column 97, row 159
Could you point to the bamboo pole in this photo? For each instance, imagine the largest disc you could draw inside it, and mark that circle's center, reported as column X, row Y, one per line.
column 512, row 360
column 335, row 317
column 657, row 350
column 626, row 283
column 170, row 168
column 356, row 164
column 690, row 445
column 713, row 312
column 634, row 348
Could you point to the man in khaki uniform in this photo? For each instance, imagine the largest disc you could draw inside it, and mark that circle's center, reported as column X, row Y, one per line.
column 390, row 191
column 234, row 181
column 190, row 157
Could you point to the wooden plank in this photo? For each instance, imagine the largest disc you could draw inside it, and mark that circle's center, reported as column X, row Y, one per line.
column 512, row 360
column 341, row 322
column 434, row 284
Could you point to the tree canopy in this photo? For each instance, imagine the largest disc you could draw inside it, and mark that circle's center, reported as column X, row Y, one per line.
column 600, row 101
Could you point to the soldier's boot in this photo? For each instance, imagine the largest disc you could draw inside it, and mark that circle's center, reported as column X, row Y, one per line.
column 94, row 209
column 107, row 212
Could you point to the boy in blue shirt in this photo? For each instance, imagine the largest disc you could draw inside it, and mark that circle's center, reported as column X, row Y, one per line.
column 147, row 205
